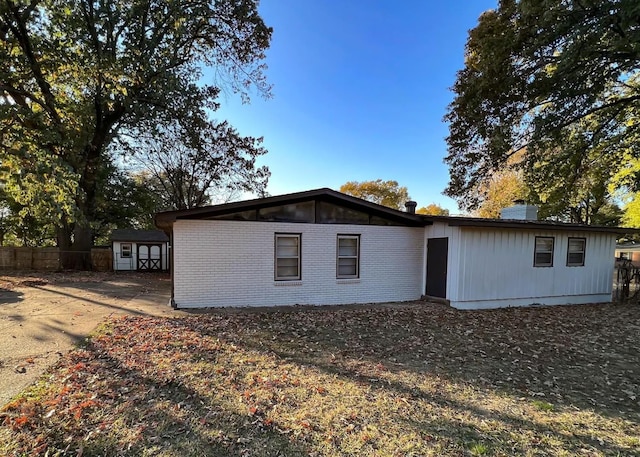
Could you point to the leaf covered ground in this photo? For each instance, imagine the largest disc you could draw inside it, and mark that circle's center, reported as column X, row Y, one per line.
column 395, row 380
column 16, row 279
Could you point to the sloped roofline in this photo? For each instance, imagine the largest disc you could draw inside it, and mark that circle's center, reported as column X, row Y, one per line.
column 165, row 220
column 138, row 235
column 477, row 222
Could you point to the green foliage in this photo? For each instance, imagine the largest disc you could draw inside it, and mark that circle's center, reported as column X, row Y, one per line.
column 124, row 201
column 558, row 79
column 433, row 210
column 21, row 226
column 387, row 193
column 75, row 75
column 631, row 217
column 478, row 449
column 542, row 405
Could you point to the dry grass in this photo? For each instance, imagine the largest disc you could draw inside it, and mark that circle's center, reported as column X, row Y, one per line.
column 10, row 280
column 396, row 380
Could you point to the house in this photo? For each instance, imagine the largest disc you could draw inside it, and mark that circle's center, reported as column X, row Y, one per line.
column 323, row 247
column 628, row 250
column 140, row 250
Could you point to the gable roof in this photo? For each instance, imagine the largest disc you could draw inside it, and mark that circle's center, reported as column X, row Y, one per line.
column 164, row 220
column 139, row 235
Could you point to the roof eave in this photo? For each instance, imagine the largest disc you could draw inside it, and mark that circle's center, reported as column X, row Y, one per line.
column 536, row 225
column 165, row 220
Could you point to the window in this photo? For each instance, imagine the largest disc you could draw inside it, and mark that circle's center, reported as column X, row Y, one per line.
column 348, row 257
column 287, row 257
column 625, row 256
column 125, row 250
column 543, row 255
column 575, row 252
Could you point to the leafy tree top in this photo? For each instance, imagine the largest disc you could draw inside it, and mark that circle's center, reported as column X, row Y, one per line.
column 538, row 74
column 387, row 193
column 75, row 75
column 433, row 210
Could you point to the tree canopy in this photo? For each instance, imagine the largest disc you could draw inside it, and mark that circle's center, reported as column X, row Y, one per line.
column 502, row 189
column 387, row 193
column 186, row 174
column 559, row 80
column 77, row 75
column 433, row 210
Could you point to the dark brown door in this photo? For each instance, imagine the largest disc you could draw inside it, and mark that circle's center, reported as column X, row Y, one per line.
column 437, row 252
column 149, row 257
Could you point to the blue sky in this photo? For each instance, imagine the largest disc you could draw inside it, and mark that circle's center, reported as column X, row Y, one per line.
column 359, row 91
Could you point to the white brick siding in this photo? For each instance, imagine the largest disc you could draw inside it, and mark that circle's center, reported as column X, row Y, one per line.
column 231, row 263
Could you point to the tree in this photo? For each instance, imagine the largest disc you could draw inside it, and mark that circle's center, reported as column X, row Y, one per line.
column 539, row 74
column 123, row 201
column 75, row 75
column 631, row 217
column 500, row 191
column 186, row 173
column 433, row 210
column 387, row 193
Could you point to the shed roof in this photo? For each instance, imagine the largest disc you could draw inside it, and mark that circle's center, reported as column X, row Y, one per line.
column 136, row 235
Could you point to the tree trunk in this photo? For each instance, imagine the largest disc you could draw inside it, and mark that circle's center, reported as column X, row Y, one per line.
column 75, row 246
column 63, row 235
column 75, row 255
column 81, row 249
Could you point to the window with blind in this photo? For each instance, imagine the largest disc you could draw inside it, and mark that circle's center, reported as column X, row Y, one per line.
column 543, row 254
column 575, row 252
column 287, row 257
column 348, row 257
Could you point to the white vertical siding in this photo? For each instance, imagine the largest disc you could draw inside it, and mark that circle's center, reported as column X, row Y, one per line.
column 230, row 263
column 496, row 269
column 127, row 263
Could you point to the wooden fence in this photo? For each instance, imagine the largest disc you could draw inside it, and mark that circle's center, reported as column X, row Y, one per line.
column 48, row 259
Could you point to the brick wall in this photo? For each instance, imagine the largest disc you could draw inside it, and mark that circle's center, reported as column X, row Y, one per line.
column 231, row 263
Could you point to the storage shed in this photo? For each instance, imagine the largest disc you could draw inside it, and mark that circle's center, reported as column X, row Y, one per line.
column 140, row 250
column 323, row 247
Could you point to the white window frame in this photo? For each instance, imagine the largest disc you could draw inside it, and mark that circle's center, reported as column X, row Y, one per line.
column 340, row 257
column 537, row 251
column 298, row 256
column 583, row 251
column 129, row 247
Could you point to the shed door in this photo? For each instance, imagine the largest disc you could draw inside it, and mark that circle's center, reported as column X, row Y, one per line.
column 149, row 257
column 437, row 252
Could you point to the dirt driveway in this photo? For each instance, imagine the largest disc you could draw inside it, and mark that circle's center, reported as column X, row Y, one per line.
column 42, row 316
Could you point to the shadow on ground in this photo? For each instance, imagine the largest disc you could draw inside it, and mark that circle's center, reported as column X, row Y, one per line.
column 10, row 296
column 346, row 380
